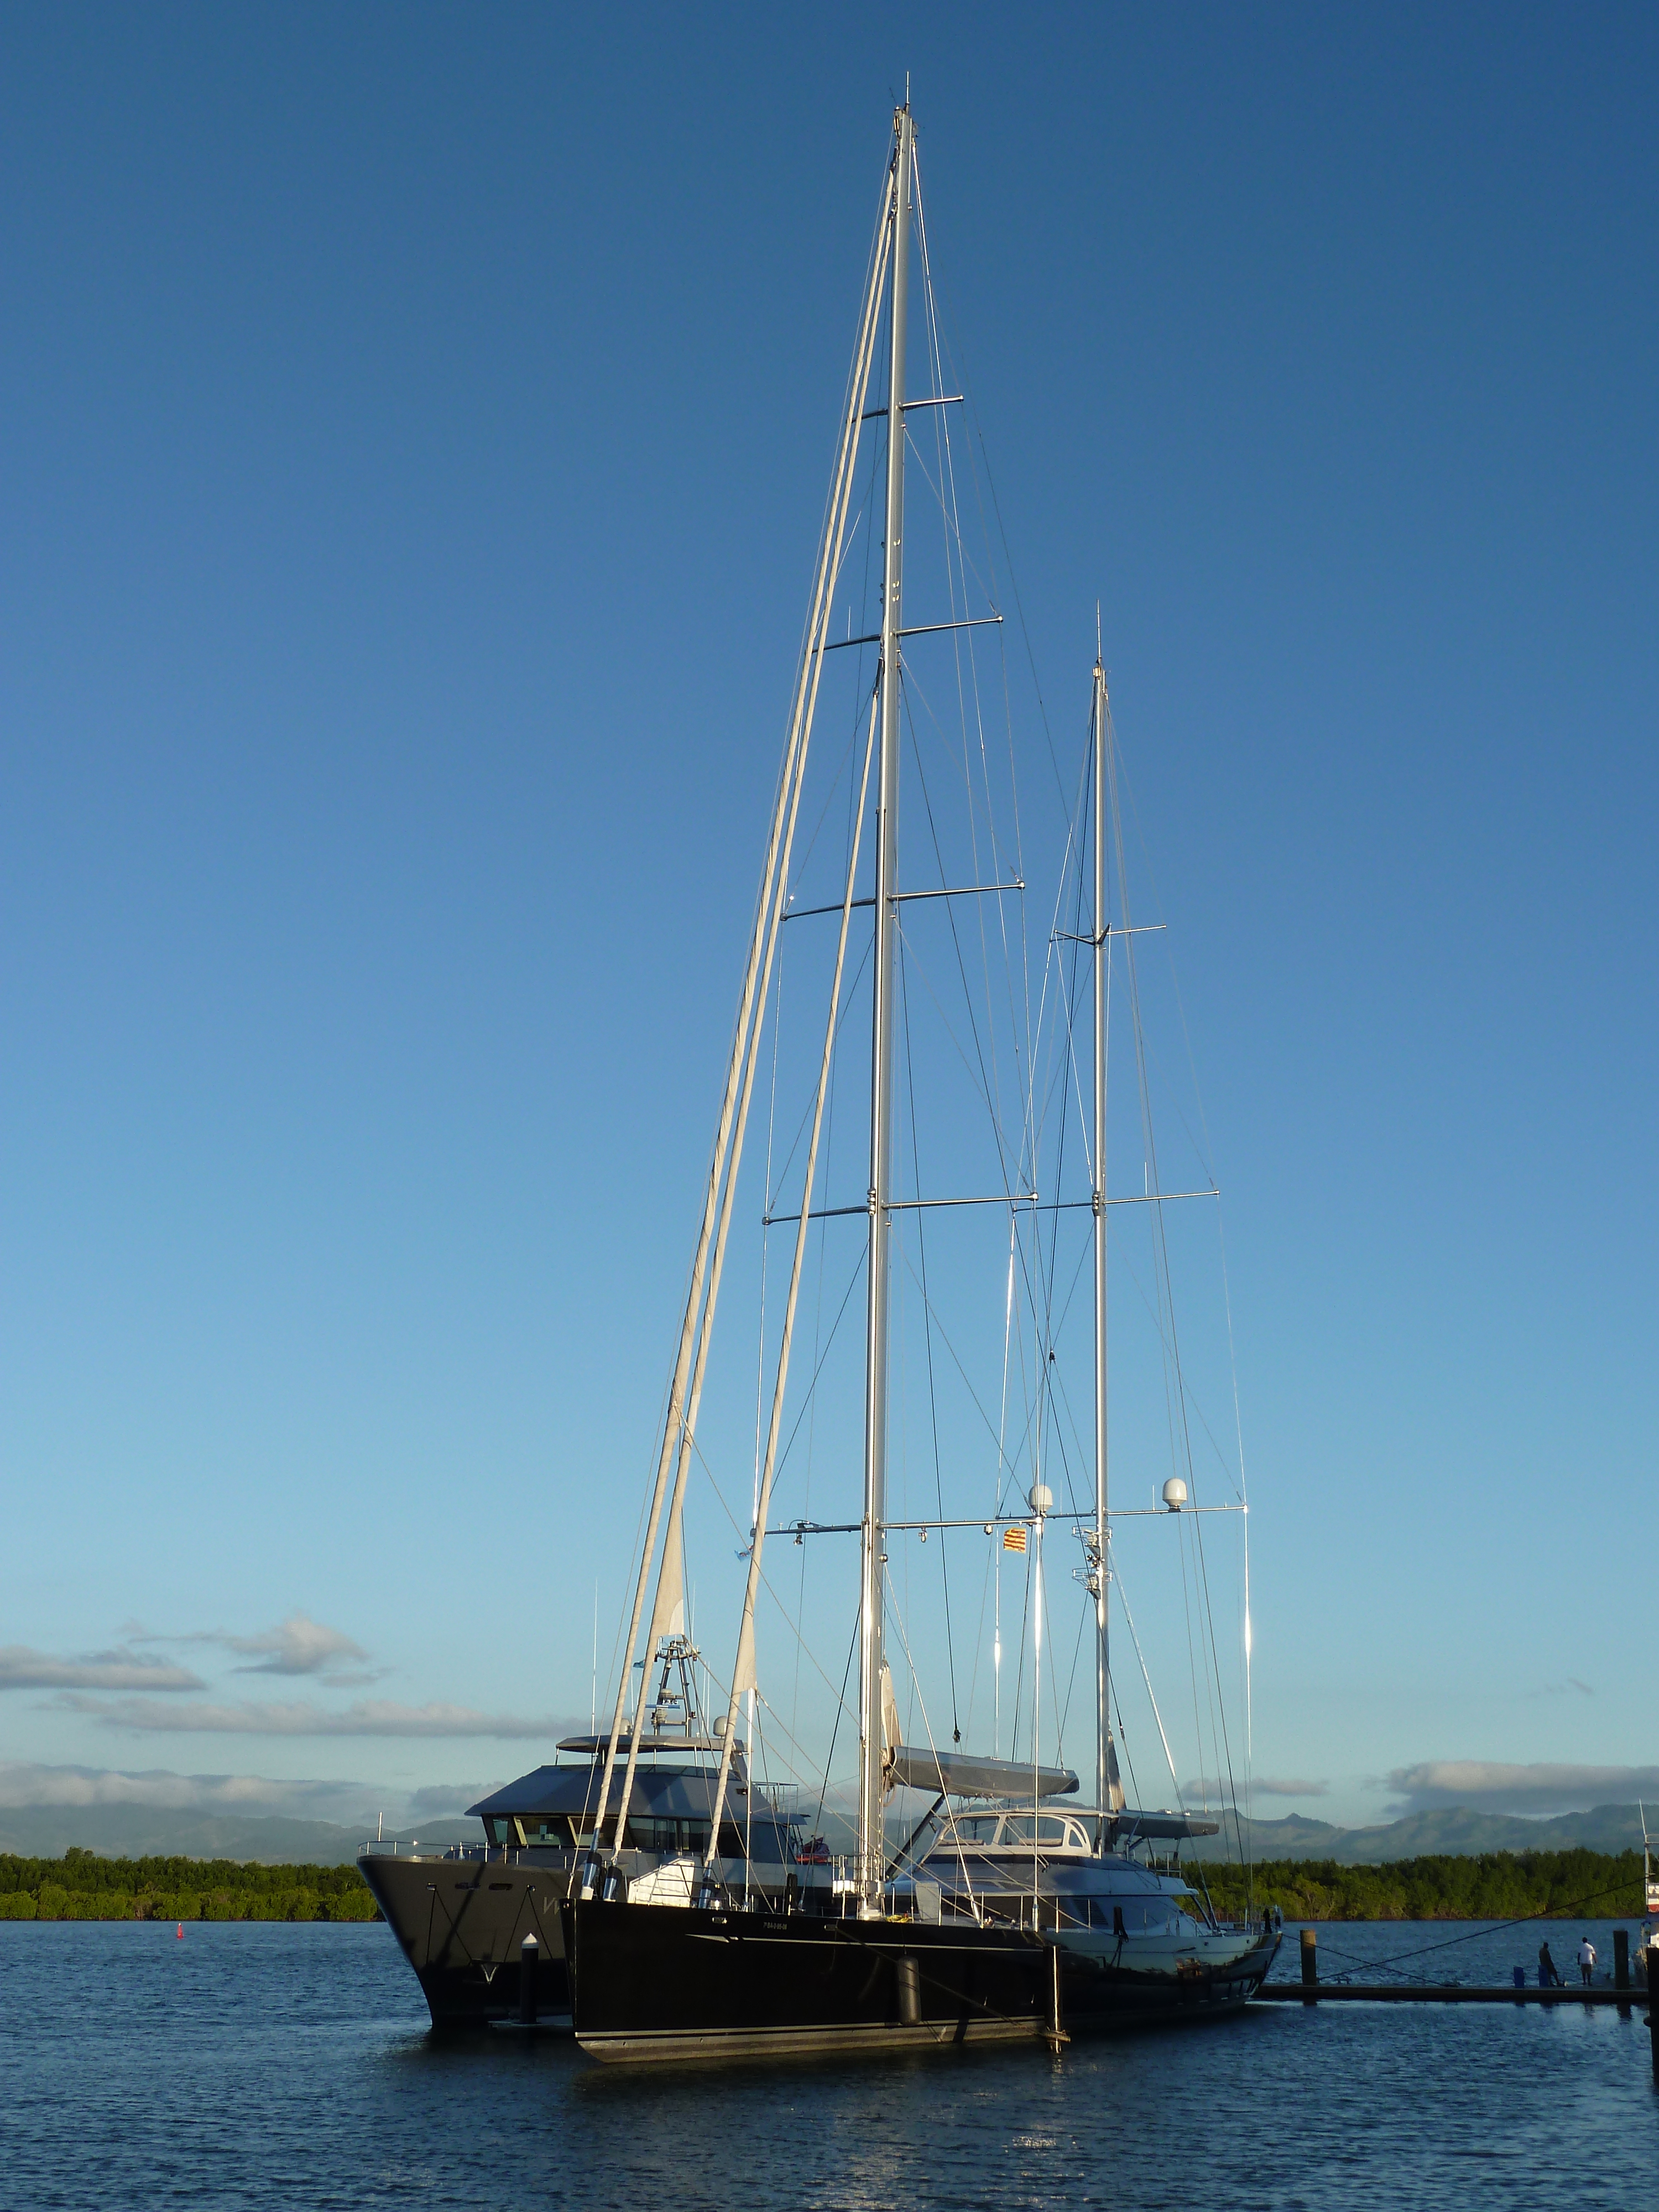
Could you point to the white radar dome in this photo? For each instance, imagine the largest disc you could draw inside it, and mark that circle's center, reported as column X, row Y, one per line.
column 1042, row 1497
column 1175, row 1494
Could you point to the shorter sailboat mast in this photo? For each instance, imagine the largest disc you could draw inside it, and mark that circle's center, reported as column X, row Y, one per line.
column 1099, row 1563
column 872, row 1841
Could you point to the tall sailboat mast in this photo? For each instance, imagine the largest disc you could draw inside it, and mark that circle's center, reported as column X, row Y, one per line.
column 1100, row 1563
column 662, row 1964
column 871, row 1843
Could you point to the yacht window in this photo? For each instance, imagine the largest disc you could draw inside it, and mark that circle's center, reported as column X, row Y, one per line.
column 1050, row 1829
column 668, row 1835
column 1094, row 1912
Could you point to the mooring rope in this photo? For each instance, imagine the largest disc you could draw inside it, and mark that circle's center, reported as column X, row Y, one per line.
column 1490, row 1927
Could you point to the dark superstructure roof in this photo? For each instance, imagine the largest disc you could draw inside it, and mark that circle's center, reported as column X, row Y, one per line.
column 662, row 1792
column 595, row 1746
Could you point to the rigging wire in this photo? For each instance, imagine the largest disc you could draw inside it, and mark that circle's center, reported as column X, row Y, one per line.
column 963, row 641
column 1162, row 1276
column 1571, row 1910
column 1122, row 1598
column 766, row 1235
column 791, row 1624
column 927, row 1333
column 840, row 1708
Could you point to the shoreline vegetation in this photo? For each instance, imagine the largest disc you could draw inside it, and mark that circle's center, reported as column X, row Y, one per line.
column 1483, row 1886
column 82, row 1886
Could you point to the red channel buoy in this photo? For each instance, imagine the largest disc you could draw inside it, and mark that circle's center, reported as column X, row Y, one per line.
column 181, row 1936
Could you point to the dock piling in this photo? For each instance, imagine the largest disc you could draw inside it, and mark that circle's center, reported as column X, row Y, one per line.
column 530, row 1959
column 1622, row 1958
column 1310, row 1964
column 1653, row 2006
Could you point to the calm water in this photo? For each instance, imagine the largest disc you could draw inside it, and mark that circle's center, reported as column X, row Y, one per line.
column 289, row 2066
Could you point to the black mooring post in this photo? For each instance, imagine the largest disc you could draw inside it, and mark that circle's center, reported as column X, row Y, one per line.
column 530, row 1959
column 1653, row 2005
column 1310, row 1963
column 1622, row 1958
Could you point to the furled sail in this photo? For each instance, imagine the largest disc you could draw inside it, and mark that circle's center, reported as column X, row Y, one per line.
column 889, row 1726
column 669, row 1616
column 1131, row 1825
column 958, row 1774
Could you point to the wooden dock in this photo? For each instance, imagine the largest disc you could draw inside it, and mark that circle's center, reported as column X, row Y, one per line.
column 1438, row 1993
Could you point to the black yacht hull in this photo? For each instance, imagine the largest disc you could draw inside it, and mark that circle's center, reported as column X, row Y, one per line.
column 650, row 1982
column 462, row 1925
column 657, row 1983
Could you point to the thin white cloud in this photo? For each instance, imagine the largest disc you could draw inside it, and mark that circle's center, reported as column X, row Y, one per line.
column 1490, row 1786
column 298, row 1645
column 369, row 1716
column 22, row 1669
column 25, row 1783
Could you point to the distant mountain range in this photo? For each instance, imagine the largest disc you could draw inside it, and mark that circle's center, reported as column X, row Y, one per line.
column 1455, row 1829
column 139, row 1832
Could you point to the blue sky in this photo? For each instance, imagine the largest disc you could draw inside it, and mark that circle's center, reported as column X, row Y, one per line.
column 415, row 426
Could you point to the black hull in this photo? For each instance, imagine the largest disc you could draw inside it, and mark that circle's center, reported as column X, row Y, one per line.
column 653, row 1983
column 461, row 1926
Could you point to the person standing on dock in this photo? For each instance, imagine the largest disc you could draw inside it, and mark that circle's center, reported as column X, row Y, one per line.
column 1547, row 1977
column 1587, row 1960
